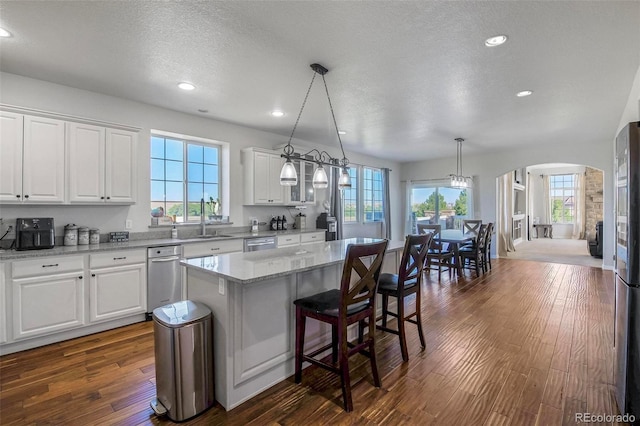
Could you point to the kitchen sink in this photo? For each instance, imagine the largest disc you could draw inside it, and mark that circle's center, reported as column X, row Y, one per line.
column 207, row 237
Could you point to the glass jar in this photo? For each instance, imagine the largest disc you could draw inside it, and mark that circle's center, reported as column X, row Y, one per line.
column 83, row 236
column 71, row 235
column 94, row 236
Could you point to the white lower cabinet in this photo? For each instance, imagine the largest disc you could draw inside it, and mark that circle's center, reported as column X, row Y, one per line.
column 212, row 248
column 48, row 296
column 118, row 285
column 312, row 237
column 288, row 240
column 3, row 310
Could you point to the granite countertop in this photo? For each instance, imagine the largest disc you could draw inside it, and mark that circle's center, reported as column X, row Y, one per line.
column 256, row 266
column 142, row 243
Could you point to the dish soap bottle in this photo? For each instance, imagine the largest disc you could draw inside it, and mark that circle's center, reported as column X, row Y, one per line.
column 284, row 223
column 174, row 232
column 273, row 225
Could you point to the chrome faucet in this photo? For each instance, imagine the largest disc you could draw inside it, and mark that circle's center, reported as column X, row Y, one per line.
column 203, row 226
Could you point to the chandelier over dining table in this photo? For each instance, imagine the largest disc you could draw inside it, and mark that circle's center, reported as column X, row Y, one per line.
column 288, row 174
column 458, row 180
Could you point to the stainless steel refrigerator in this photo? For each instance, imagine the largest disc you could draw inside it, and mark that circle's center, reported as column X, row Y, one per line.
column 627, row 316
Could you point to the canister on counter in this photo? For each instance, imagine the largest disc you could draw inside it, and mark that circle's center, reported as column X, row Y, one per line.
column 83, row 236
column 94, row 236
column 71, row 235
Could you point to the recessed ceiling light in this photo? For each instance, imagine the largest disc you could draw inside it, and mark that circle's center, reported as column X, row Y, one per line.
column 524, row 93
column 495, row 40
column 342, row 132
column 277, row 113
column 4, row 33
column 186, row 86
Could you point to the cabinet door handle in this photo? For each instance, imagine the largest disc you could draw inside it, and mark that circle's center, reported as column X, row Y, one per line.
column 26, row 196
column 120, row 258
column 17, row 195
column 215, row 249
column 80, row 277
column 53, row 265
column 108, row 198
column 102, row 198
column 93, row 275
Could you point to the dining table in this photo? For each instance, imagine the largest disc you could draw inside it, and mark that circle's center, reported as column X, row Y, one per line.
column 455, row 238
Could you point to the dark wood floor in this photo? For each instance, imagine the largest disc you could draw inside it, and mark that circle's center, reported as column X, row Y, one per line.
column 528, row 343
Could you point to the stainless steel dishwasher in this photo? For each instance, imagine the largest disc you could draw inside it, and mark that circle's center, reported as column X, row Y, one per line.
column 164, row 277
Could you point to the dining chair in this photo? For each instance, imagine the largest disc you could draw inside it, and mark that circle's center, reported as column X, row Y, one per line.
column 402, row 285
column 439, row 253
column 487, row 247
column 471, row 225
column 351, row 303
column 473, row 256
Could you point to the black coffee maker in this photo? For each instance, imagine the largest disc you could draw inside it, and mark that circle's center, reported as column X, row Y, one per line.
column 34, row 233
column 324, row 221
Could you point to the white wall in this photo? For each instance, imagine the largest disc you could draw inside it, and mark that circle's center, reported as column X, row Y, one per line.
column 37, row 94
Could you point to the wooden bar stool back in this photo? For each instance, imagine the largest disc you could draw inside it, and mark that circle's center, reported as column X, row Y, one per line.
column 407, row 282
column 355, row 301
column 471, row 225
column 438, row 254
column 473, row 256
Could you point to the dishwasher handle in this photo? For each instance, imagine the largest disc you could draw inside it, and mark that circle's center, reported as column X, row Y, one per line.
column 164, row 259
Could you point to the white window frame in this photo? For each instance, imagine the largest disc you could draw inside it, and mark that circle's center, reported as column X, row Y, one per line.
column 564, row 189
column 223, row 166
column 360, row 196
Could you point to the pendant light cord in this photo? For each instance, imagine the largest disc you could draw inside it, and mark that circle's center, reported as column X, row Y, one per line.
column 288, row 149
column 345, row 162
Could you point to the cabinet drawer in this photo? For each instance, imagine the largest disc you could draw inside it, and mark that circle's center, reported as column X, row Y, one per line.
column 312, row 237
column 46, row 266
column 288, row 240
column 115, row 258
column 212, row 248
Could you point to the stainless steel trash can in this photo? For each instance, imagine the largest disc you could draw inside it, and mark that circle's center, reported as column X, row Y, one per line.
column 183, row 339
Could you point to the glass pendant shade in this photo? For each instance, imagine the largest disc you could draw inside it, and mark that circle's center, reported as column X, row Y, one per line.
column 320, row 179
column 288, row 174
column 345, row 179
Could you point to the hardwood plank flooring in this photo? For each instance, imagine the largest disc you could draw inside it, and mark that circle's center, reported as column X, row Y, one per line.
column 528, row 343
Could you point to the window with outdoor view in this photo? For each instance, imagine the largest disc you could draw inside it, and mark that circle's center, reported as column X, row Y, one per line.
column 372, row 194
column 561, row 192
column 439, row 205
column 350, row 198
column 184, row 172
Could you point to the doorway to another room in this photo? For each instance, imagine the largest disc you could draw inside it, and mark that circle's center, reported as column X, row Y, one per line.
column 552, row 213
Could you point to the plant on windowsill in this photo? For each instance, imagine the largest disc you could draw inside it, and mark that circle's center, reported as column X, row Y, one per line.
column 214, row 209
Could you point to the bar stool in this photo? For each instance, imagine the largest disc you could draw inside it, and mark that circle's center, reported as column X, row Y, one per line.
column 352, row 303
column 438, row 253
column 401, row 285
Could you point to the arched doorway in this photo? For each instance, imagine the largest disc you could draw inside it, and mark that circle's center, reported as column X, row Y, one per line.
column 549, row 212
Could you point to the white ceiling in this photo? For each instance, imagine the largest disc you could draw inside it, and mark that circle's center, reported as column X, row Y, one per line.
column 405, row 78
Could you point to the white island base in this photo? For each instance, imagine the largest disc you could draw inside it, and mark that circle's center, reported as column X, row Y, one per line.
column 254, row 318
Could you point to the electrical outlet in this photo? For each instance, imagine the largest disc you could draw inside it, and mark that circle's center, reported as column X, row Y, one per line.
column 128, row 224
column 221, row 286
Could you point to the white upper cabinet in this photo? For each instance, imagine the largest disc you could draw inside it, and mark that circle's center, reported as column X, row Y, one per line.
column 11, row 131
column 303, row 192
column 262, row 177
column 32, row 152
column 101, row 164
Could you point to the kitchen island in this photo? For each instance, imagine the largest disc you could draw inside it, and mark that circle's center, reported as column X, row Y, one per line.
column 251, row 296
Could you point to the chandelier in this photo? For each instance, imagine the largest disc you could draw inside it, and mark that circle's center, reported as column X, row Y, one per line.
column 288, row 174
column 459, row 180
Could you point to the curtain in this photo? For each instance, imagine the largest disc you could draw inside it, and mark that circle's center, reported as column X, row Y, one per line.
column 579, row 207
column 546, row 200
column 386, row 203
column 505, row 201
column 410, row 218
column 336, row 201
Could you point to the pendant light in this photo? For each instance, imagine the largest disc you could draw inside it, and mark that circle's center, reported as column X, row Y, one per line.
column 459, row 180
column 288, row 174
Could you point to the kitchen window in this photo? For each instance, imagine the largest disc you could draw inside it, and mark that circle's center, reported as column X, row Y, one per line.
column 183, row 172
column 561, row 194
column 363, row 201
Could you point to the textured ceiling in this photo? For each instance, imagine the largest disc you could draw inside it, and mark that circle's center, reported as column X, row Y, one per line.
column 405, row 78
